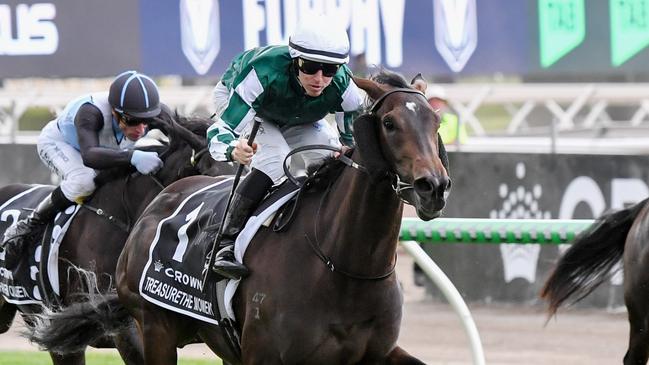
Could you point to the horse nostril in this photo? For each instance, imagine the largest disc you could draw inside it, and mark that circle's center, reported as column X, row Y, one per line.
column 428, row 185
column 424, row 185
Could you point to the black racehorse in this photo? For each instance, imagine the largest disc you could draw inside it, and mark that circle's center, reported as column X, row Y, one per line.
column 93, row 242
column 590, row 260
column 323, row 291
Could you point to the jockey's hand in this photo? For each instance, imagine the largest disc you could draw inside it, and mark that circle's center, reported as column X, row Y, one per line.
column 146, row 162
column 342, row 151
column 242, row 153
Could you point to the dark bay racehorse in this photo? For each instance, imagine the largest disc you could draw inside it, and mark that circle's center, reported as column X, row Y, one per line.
column 94, row 243
column 294, row 308
column 589, row 262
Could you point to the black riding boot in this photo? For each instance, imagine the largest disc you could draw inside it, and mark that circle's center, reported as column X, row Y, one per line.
column 36, row 221
column 248, row 195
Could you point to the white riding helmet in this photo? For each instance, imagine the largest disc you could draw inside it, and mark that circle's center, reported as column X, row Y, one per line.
column 320, row 40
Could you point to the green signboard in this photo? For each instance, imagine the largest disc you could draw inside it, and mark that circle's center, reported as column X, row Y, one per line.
column 562, row 27
column 629, row 29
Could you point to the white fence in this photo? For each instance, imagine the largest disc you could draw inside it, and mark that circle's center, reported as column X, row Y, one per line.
column 551, row 117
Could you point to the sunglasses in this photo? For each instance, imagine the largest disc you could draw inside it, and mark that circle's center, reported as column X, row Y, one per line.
column 133, row 121
column 312, row 68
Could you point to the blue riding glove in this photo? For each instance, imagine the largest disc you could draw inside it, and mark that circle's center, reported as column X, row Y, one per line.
column 146, row 162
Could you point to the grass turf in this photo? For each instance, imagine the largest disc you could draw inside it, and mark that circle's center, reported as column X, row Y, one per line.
column 42, row 358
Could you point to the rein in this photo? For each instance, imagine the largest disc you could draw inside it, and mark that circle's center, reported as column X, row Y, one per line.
column 315, row 246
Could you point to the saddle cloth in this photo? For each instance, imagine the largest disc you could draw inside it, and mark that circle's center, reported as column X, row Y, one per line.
column 34, row 275
column 172, row 277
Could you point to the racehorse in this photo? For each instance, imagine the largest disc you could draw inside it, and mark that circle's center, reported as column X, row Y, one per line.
column 590, row 260
column 93, row 241
column 322, row 291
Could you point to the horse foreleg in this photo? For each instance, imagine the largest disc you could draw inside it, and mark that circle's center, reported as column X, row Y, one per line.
column 215, row 339
column 637, row 352
column 78, row 358
column 159, row 337
column 129, row 345
column 399, row 356
column 7, row 314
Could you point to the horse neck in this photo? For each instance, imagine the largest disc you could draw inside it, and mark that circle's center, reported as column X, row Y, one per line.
column 363, row 223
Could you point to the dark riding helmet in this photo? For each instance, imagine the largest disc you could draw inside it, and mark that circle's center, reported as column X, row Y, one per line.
column 134, row 95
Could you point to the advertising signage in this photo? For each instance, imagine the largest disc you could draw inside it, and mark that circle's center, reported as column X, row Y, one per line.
column 441, row 37
column 68, row 38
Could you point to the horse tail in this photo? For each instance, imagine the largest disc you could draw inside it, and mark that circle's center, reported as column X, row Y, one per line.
column 73, row 328
column 589, row 260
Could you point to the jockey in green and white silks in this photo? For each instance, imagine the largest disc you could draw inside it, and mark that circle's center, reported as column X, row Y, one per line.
column 291, row 89
column 94, row 131
column 263, row 83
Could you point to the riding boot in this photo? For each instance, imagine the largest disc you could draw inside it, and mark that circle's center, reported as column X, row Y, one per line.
column 248, row 195
column 44, row 213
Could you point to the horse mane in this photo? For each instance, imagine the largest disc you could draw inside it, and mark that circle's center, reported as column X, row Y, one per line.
column 391, row 78
column 322, row 175
column 196, row 125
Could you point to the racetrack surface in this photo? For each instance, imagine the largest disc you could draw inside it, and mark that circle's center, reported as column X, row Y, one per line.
column 510, row 334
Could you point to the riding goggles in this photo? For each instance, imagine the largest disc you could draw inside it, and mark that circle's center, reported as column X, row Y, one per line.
column 312, row 67
column 133, row 121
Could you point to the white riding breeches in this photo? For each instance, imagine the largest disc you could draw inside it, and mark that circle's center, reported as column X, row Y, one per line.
column 77, row 180
column 274, row 143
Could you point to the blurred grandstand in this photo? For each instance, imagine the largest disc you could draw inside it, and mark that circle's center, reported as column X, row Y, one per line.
column 610, row 118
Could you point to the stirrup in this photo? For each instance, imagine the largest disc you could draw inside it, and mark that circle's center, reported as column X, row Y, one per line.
column 227, row 266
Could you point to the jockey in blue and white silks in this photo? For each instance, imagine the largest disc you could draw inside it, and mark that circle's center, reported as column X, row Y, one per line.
column 94, row 131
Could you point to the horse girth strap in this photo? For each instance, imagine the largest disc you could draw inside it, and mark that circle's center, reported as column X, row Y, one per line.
column 377, row 103
column 125, row 226
column 111, row 218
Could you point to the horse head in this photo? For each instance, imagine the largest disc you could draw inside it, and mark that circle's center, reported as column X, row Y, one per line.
column 182, row 148
column 397, row 138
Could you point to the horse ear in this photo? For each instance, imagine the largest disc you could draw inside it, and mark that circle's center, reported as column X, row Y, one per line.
column 419, row 83
column 366, row 135
column 443, row 156
column 372, row 88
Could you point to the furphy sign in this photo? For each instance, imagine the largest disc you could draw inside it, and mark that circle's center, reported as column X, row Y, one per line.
column 368, row 22
column 36, row 32
column 441, row 37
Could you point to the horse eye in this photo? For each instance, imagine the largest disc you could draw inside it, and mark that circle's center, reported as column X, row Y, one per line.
column 388, row 124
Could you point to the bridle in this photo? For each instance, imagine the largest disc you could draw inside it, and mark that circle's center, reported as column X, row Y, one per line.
column 397, row 185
